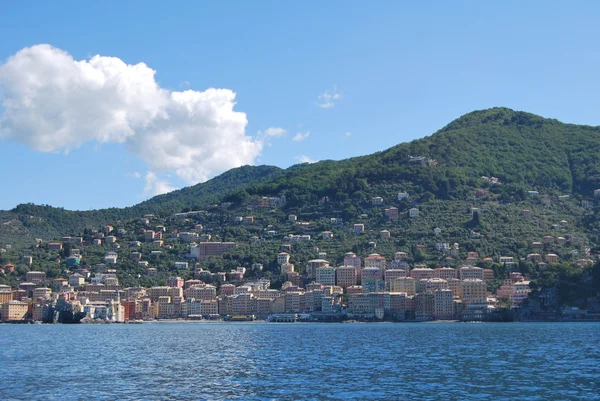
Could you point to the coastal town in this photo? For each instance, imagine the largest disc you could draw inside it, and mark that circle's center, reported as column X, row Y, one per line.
column 175, row 252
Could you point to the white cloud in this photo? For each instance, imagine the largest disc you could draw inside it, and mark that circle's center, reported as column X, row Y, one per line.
column 348, row 133
column 134, row 174
column 53, row 102
column 272, row 132
column 300, row 136
column 305, row 159
column 156, row 186
column 327, row 100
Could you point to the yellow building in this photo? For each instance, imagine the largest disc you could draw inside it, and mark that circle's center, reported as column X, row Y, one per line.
column 404, row 284
column 13, row 310
column 474, row 292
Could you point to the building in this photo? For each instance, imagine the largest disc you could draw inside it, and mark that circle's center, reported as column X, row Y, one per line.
column 359, row 228
column 391, row 274
column 552, row 258
column 434, row 284
column 204, row 292
column 13, row 311
column 287, row 268
column 376, row 260
column 205, row 250
column 443, row 300
column 413, row 212
column 376, row 201
column 385, row 234
column 345, row 276
column 467, row 272
column 407, row 285
column 41, row 292
column 313, row 265
column 420, row 273
column 55, row 246
column 391, row 213
column 474, row 292
column 507, row 261
column 444, row 273
column 35, row 277
column 283, row 257
column 424, row 306
column 174, row 281
column 327, row 235
column 111, row 258
column 372, row 279
column 442, row 246
column 325, row 275
column 403, row 195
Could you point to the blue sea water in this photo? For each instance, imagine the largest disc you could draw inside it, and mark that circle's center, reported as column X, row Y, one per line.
column 252, row 361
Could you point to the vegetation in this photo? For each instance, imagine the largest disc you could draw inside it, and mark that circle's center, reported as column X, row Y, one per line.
column 443, row 175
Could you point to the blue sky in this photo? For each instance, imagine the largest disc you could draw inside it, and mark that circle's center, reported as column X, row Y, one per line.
column 390, row 71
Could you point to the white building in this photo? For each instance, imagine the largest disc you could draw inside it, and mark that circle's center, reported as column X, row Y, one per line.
column 403, row 195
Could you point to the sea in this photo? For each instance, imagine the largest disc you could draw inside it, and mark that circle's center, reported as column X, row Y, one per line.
column 301, row 361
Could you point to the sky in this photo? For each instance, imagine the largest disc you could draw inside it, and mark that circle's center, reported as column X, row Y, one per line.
column 105, row 104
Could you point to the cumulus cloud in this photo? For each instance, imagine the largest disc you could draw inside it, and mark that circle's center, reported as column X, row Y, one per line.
column 300, row 136
column 304, row 159
column 156, row 186
column 327, row 99
column 53, row 102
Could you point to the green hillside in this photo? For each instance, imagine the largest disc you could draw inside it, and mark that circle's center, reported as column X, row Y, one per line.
column 524, row 151
column 444, row 175
column 26, row 222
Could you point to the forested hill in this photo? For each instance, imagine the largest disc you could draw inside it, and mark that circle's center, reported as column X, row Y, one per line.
column 28, row 221
column 523, row 151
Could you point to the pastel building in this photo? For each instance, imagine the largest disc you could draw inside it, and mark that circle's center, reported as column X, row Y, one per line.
column 421, row 273
column 474, row 292
column 372, row 279
column 443, row 304
column 13, row 310
column 325, row 275
column 376, row 260
column 391, row 213
column 313, row 265
column 468, row 272
column 35, row 276
column 444, row 273
column 391, row 274
column 345, row 276
column 407, row 285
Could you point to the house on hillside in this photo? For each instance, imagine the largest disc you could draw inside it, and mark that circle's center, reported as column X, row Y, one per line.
column 403, row 195
column 378, row 200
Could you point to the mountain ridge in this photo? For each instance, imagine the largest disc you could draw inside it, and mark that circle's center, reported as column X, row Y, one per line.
column 523, row 150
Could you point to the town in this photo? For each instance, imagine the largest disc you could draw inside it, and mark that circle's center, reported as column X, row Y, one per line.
column 175, row 251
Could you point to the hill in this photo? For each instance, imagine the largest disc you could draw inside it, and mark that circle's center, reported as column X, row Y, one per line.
column 523, row 151
column 26, row 222
column 493, row 183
